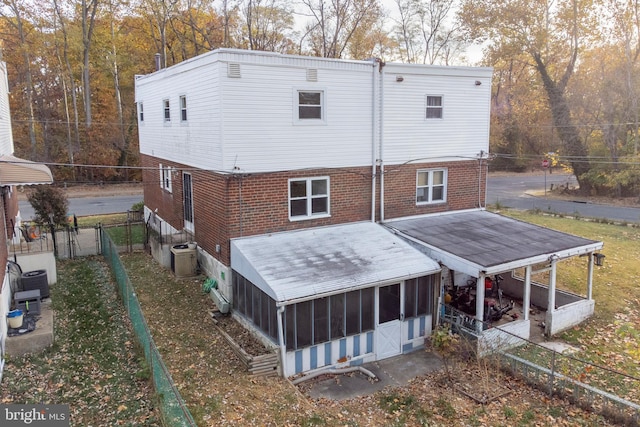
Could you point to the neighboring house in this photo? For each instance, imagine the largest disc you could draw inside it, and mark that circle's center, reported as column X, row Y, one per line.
column 13, row 172
column 294, row 174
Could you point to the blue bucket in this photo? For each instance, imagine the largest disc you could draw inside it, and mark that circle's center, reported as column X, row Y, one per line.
column 14, row 313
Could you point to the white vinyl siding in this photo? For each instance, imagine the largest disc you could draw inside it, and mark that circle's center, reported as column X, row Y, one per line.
column 461, row 133
column 250, row 123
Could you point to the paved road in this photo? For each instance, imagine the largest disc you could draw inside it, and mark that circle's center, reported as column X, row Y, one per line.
column 511, row 191
column 516, row 192
column 83, row 206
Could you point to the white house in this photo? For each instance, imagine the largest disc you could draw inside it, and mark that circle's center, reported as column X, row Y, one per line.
column 291, row 173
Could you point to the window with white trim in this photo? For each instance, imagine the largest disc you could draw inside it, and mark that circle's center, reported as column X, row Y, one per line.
column 165, row 178
column 434, row 107
column 141, row 111
column 431, row 186
column 308, row 198
column 310, row 103
column 167, row 110
column 183, row 108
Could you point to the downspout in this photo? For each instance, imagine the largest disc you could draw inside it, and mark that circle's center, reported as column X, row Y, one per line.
column 283, row 349
column 381, row 157
column 374, row 127
column 480, row 178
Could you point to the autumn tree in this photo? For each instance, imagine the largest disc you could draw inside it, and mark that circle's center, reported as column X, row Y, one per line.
column 426, row 31
column 332, row 26
column 268, row 25
column 551, row 34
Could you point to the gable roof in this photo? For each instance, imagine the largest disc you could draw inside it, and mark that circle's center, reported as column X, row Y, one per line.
column 305, row 264
column 484, row 241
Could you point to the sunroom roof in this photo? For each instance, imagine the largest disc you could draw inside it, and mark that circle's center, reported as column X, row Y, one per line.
column 304, row 264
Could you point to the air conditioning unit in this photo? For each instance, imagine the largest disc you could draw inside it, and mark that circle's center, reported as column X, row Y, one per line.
column 219, row 300
column 184, row 260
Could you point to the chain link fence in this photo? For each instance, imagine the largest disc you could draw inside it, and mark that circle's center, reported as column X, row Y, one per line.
column 614, row 394
column 173, row 408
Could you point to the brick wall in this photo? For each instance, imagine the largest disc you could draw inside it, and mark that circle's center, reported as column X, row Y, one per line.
column 228, row 206
column 462, row 188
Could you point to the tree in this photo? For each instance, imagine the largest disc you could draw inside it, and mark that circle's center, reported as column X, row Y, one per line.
column 269, row 25
column 13, row 13
column 551, row 34
column 333, row 24
column 426, row 33
column 50, row 205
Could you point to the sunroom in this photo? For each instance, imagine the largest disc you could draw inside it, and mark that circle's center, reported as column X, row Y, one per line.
column 335, row 296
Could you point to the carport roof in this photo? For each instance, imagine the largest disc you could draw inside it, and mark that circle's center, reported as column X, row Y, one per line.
column 297, row 265
column 488, row 241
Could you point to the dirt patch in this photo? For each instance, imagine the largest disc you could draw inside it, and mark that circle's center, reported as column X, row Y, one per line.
column 94, row 190
column 572, row 194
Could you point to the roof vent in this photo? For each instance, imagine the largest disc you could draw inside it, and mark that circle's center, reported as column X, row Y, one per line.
column 312, row 75
column 233, row 70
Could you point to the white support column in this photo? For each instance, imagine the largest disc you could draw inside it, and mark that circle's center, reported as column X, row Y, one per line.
column 526, row 299
column 551, row 299
column 590, row 277
column 480, row 302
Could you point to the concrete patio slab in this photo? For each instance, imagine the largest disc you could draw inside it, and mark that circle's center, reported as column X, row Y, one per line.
column 393, row 372
column 36, row 340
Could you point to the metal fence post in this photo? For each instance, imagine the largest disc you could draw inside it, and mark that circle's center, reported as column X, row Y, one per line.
column 553, row 371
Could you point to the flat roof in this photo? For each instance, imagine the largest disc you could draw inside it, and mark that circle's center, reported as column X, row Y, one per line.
column 304, row 264
column 490, row 241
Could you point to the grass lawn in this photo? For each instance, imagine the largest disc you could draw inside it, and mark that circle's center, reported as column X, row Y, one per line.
column 611, row 337
column 94, row 365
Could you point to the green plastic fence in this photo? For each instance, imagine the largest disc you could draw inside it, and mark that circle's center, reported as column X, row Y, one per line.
column 173, row 408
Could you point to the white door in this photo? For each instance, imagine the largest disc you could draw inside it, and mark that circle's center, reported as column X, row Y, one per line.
column 389, row 324
column 187, row 198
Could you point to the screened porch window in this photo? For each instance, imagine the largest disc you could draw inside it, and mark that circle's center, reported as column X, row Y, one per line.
column 419, row 296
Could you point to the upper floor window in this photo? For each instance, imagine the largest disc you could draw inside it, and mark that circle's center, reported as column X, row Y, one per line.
column 308, row 198
column 434, row 107
column 310, row 105
column 183, row 108
column 165, row 178
column 431, row 186
column 141, row 111
column 167, row 110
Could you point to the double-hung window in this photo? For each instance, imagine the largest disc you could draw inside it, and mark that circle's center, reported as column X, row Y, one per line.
column 167, row 110
column 434, row 107
column 183, row 108
column 310, row 104
column 308, row 198
column 165, row 178
column 141, row 111
column 431, row 186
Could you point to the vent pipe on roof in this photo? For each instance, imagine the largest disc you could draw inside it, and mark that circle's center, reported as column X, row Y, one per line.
column 157, row 57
